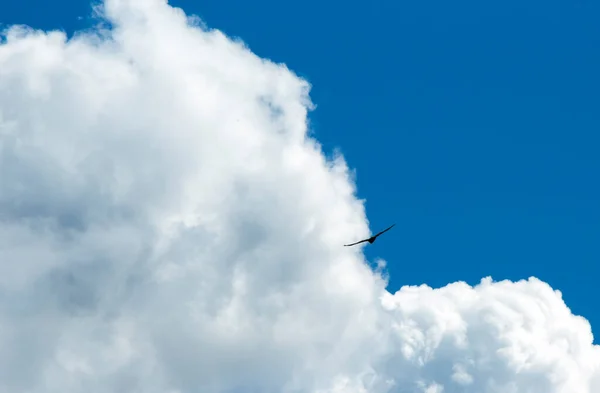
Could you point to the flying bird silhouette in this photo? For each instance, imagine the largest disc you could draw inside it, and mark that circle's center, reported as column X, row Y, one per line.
column 371, row 239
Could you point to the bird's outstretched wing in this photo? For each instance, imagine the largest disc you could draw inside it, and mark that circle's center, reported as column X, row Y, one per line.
column 371, row 239
column 353, row 244
column 385, row 230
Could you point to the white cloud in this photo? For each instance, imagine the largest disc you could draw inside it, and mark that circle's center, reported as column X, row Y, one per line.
column 167, row 226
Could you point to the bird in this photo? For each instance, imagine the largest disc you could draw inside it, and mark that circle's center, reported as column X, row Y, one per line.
column 371, row 239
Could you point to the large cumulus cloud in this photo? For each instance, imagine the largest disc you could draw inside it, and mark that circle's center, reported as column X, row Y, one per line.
column 166, row 225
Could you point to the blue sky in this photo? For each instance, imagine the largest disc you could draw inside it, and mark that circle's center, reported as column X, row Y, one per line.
column 472, row 125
